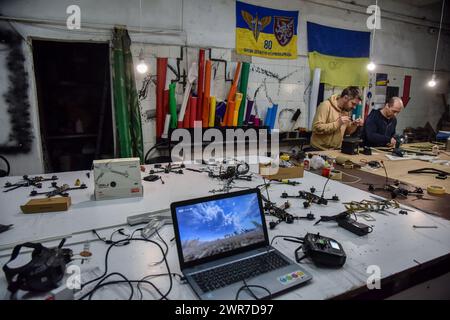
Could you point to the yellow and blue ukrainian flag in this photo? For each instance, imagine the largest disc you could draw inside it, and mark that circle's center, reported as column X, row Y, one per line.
column 342, row 55
column 266, row 32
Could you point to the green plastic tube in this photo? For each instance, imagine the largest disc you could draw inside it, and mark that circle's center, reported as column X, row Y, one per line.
column 243, row 89
column 173, row 106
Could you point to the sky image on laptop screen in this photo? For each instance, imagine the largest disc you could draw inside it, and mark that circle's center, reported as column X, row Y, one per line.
column 217, row 226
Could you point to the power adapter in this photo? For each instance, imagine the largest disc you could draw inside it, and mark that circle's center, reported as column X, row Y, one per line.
column 354, row 226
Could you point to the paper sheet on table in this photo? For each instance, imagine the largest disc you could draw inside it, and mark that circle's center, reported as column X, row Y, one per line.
column 411, row 157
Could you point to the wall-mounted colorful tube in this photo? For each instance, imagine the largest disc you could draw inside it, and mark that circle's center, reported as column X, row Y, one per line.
column 243, row 89
column 200, row 83
column 193, row 113
column 206, row 94
column 173, row 106
column 187, row 115
column 268, row 115
column 273, row 116
column 212, row 110
column 248, row 112
column 161, row 70
column 238, row 100
column 231, row 95
column 221, row 108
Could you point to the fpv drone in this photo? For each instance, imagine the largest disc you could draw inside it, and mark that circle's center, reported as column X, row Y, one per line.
column 58, row 190
column 28, row 182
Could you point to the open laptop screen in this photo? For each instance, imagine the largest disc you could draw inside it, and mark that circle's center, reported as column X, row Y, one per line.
column 218, row 225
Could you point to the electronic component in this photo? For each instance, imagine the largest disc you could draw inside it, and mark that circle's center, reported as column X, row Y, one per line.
column 146, row 217
column 367, row 151
column 168, row 169
column 310, row 197
column 154, row 224
column 345, row 221
column 354, row 226
column 395, row 189
column 350, row 145
column 151, row 178
column 399, row 139
column 323, row 251
column 27, row 182
column 58, row 190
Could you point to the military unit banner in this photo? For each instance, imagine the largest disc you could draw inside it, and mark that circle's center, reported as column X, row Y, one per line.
column 266, row 32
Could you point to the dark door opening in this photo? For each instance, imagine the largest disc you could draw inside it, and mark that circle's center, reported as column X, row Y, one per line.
column 74, row 98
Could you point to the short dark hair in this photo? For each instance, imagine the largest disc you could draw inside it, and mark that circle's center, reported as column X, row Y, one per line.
column 352, row 92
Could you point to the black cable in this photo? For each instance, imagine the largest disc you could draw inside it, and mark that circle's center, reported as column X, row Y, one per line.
column 165, row 245
column 131, row 282
column 151, row 276
column 121, row 232
column 245, row 286
column 154, row 146
column 251, row 292
column 106, row 265
column 323, row 191
column 285, row 236
column 8, row 167
column 267, row 190
column 98, row 285
column 293, row 240
column 102, row 239
column 134, row 231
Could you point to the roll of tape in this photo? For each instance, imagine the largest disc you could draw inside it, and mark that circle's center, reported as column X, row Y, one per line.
column 436, row 190
column 342, row 160
column 336, row 175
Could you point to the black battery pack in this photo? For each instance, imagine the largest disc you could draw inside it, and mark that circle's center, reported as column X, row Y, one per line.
column 354, row 226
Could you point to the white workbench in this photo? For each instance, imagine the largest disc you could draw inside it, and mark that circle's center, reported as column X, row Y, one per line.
column 394, row 245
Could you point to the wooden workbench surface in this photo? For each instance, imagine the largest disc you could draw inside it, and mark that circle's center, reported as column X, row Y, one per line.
column 398, row 169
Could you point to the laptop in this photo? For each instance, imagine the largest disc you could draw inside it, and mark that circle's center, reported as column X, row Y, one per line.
column 224, row 251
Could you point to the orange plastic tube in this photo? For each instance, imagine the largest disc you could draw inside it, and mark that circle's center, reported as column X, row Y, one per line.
column 206, row 94
column 229, row 114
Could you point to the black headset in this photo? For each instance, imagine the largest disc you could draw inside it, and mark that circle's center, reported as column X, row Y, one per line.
column 42, row 273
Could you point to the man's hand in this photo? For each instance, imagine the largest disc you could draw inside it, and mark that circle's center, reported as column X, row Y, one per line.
column 343, row 120
column 392, row 143
column 358, row 122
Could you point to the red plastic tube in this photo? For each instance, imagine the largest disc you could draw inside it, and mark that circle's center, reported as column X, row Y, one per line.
column 186, row 119
column 200, row 83
column 206, row 94
column 193, row 109
column 161, row 70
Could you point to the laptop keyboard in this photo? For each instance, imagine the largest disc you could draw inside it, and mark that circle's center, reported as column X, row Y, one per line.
column 222, row 276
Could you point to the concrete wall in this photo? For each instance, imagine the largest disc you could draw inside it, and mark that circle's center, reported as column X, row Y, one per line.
column 401, row 48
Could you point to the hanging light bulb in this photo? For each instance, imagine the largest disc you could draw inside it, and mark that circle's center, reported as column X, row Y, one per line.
column 371, row 66
column 142, row 66
column 432, row 82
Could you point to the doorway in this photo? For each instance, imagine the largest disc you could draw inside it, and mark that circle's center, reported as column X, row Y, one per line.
column 74, row 99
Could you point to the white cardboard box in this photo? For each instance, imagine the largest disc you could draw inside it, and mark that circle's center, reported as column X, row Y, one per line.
column 117, row 178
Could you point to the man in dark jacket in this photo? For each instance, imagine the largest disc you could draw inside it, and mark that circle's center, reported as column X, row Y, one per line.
column 379, row 128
